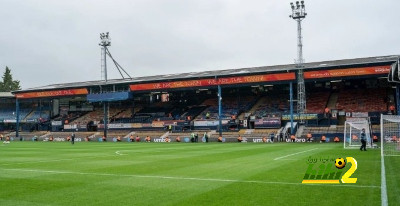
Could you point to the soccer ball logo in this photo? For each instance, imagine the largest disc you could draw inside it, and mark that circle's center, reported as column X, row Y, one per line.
column 340, row 163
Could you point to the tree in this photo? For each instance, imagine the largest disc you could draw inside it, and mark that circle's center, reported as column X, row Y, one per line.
column 8, row 84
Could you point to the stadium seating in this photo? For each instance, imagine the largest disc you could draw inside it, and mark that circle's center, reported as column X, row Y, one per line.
column 362, row 100
column 272, row 105
column 316, row 102
column 232, row 106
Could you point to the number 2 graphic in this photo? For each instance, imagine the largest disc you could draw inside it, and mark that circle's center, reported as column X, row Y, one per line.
column 346, row 177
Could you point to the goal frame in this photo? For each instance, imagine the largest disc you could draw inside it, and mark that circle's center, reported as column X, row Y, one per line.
column 368, row 133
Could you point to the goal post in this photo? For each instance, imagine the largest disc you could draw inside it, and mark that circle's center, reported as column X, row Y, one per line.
column 352, row 133
column 390, row 135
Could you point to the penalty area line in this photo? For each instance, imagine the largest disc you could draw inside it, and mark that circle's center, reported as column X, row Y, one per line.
column 278, row 158
column 187, row 178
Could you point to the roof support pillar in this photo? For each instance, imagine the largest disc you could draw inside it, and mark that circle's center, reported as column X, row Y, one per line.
column 397, row 99
column 291, row 107
column 17, row 117
column 219, row 110
column 105, row 105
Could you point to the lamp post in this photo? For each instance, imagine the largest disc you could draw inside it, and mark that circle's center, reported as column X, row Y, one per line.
column 298, row 14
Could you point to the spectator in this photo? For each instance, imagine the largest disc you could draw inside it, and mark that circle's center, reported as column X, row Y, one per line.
column 147, row 139
column 392, row 108
column 327, row 112
column 118, row 139
column 137, row 138
column 104, row 139
column 220, row 139
column 51, row 138
column 323, row 138
column 292, row 138
column 336, row 139
column 240, row 139
column 375, row 138
column 178, row 139
column 131, row 138
column 264, row 139
column 354, row 138
column 394, row 138
column 309, row 137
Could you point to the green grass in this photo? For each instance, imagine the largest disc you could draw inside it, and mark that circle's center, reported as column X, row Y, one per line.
column 50, row 173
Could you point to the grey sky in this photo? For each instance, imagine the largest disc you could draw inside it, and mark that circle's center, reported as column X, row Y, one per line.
column 54, row 41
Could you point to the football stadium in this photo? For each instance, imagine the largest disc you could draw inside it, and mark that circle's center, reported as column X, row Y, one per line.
column 230, row 137
column 315, row 133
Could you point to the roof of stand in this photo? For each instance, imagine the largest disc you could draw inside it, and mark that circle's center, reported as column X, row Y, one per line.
column 220, row 73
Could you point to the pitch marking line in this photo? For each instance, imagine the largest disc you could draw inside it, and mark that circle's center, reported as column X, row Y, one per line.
column 56, row 160
column 185, row 178
column 384, row 197
column 119, row 153
column 294, row 154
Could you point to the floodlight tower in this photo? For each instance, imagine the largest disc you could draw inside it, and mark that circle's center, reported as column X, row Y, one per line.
column 298, row 14
column 105, row 41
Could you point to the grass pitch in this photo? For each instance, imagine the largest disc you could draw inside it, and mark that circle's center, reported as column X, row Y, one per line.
column 58, row 173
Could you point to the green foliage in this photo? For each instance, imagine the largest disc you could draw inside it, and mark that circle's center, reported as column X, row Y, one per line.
column 8, row 84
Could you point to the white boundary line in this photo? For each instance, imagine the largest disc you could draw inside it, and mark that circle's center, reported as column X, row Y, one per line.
column 393, row 155
column 383, row 183
column 294, row 154
column 39, row 161
column 384, row 197
column 186, row 178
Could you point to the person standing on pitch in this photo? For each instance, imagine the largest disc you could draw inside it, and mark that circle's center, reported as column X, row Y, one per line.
column 271, row 136
column 363, row 140
column 205, row 137
column 73, row 138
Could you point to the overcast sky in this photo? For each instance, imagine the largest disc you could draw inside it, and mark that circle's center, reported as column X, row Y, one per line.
column 52, row 41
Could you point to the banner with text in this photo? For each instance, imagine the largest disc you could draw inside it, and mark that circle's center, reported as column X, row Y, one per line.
column 347, row 72
column 296, row 117
column 213, row 82
column 54, row 93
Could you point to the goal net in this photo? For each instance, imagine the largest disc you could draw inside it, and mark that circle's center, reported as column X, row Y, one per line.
column 390, row 133
column 352, row 132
